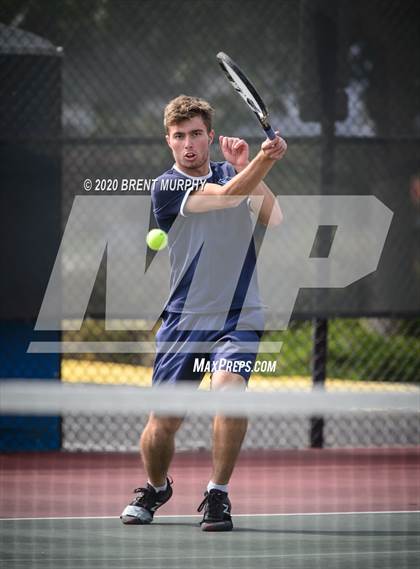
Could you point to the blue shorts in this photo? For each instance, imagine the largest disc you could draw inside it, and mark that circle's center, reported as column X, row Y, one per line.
column 232, row 348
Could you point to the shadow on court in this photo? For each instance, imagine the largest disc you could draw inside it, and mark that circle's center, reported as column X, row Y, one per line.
column 332, row 533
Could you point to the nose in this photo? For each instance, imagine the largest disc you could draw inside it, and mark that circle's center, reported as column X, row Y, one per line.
column 188, row 142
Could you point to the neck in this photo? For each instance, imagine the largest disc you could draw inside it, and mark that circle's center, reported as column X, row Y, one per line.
column 194, row 172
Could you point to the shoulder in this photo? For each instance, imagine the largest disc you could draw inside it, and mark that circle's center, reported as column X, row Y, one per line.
column 168, row 193
column 167, row 186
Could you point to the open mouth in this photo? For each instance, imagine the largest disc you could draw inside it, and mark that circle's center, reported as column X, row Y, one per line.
column 190, row 155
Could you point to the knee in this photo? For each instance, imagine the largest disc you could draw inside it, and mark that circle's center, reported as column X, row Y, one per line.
column 223, row 380
column 166, row 426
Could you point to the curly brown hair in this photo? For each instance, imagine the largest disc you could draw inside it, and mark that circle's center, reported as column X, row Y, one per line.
column 183, row 108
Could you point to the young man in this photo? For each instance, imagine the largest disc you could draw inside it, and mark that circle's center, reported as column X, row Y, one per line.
column 223, row 308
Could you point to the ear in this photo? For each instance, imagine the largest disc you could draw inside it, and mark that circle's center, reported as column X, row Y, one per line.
column 211, row 136
column 167, row 140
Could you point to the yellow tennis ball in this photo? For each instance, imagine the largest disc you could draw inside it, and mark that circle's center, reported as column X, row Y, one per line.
column 157, row 239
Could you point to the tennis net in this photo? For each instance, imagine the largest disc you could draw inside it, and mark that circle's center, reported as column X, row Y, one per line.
column 353, row 503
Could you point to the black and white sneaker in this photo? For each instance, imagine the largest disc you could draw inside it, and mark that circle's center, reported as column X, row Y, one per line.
column 217, row 508
column 142, row 509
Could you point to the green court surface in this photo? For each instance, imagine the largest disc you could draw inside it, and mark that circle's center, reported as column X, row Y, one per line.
column 373, row 540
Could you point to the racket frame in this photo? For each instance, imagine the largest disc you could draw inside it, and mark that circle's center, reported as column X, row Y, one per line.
column 261, row 113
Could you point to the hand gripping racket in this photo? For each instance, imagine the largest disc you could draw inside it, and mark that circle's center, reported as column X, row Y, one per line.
column 247, row 91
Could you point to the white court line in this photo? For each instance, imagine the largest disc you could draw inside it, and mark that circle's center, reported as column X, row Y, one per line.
column 230, row 556
column 234, row 516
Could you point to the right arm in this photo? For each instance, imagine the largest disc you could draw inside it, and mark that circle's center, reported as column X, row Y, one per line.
column 213, row 196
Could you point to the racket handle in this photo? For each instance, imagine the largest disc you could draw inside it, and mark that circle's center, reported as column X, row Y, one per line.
column 270, row 133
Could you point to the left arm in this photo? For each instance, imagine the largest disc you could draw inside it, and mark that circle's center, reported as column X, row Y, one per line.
column 236, row 151
column 270, row 213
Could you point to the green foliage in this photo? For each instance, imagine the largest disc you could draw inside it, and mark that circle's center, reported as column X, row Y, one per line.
column 355, row 351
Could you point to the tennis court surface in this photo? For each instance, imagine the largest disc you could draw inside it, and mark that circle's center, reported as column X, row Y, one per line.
column 338, row 507
column 328, row 541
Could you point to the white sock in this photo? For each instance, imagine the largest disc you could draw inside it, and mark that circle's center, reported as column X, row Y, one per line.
column 212, row 486
column 159, row 488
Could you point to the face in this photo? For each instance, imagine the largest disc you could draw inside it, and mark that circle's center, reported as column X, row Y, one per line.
column 190, row 145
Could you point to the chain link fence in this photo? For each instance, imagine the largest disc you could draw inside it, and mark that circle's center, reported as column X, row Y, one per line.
column 314, row 62
column 120, row 433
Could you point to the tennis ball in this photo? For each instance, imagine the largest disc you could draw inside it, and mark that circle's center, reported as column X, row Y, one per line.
column 157, row 239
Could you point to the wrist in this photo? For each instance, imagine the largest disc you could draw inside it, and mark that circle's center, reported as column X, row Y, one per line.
column 262, row 157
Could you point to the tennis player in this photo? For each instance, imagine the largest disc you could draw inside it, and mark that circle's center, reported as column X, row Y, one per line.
column 215, row 210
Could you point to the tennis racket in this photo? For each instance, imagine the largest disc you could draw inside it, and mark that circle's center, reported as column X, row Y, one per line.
column 247, row 91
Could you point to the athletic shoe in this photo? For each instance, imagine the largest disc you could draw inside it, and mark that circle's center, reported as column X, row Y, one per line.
column 142, row 509
column 217, row 509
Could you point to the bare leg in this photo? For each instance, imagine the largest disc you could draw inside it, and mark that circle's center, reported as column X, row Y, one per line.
column 228, row 432
column 157, row 446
